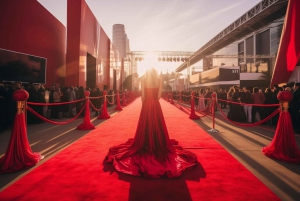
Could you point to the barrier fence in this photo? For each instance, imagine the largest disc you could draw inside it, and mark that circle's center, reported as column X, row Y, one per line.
column 212, row 104
column 283, row 145
column 19, row 156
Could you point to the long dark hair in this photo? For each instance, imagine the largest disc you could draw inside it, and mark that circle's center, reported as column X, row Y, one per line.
column 151, row 78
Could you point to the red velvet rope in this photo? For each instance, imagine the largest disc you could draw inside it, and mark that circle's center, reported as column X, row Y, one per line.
column 205, row 114
column 208, row 108
column 260, row 105
column 206, row 111
column 57, row 103
column 202, row 98
column 249, row 125
column 180, row 106
column 186, row 95
column 110, row 102
column 96, row 97
column 187, row 101
column 112, row 95
column 208, row 105
column 95, row 107
column 53, row 122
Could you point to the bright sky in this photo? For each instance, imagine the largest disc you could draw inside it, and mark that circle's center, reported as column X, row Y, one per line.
column 161, row 25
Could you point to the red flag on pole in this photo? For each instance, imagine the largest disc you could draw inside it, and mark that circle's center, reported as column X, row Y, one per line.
column 289, row 48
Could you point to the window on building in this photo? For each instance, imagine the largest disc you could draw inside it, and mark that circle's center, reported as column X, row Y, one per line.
column 275, row 34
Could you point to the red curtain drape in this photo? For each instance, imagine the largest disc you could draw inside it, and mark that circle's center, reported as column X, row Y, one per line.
column 289, row 48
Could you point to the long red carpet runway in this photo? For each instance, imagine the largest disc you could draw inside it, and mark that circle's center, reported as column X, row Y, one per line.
column 78, row 172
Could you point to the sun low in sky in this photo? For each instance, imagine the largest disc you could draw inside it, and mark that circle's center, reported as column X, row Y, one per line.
column 150, row 60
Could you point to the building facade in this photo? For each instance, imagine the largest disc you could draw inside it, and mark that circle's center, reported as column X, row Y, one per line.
column 254, row 55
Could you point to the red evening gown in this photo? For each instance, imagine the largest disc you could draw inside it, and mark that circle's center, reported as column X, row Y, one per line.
column 151, row 153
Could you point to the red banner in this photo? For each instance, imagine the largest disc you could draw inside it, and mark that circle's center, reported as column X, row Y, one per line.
column 289, row 48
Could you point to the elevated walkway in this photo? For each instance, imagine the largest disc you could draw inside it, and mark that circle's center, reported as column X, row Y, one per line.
column 264, row 13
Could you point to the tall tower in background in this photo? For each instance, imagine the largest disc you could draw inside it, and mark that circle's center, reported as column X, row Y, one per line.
column 121, row 42
column 127, row 44
column 119, row 39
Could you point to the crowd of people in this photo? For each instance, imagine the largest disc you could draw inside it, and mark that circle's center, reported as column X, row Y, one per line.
column 242, row 112
column 38, row 93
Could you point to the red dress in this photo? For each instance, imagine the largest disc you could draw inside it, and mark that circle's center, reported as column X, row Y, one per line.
column 151, row 153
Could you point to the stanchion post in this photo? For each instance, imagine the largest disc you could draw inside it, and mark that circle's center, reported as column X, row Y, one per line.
column 123, row 99
column 118, row 107
column 104, row 114
column 193, row 114
column 172, row 102
column 283, row 145
column 18, row 155
column 86, row 124
column 214, row 99
column 180, row 100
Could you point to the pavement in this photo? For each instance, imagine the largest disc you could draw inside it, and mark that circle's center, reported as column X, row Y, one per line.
column 243, row 143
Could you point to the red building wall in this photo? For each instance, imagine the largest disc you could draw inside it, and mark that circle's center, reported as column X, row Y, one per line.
column 27, row 27
column 85, row 35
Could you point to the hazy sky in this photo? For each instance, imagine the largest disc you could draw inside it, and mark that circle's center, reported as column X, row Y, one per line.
column 162, row 25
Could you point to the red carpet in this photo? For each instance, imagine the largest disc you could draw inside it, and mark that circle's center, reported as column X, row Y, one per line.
column 77, row 173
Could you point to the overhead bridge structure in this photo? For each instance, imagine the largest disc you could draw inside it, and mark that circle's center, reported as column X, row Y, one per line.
column 262, row 14
column 163, row 56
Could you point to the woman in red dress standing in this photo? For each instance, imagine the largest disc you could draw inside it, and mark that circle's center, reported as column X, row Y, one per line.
column 151, row 153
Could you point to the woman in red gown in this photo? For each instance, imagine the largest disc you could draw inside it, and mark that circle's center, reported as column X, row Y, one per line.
column 151, row 153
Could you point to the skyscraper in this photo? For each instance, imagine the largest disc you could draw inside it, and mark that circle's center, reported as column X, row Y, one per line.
column 119, row 39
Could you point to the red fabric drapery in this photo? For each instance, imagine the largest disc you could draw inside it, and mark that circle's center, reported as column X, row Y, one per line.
column 193, row 114
column 283, row 146
column 118, row 107
column 18, row 155
column 86, row 124
column 104, row 114
column 289, row 48
column 123, row 99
